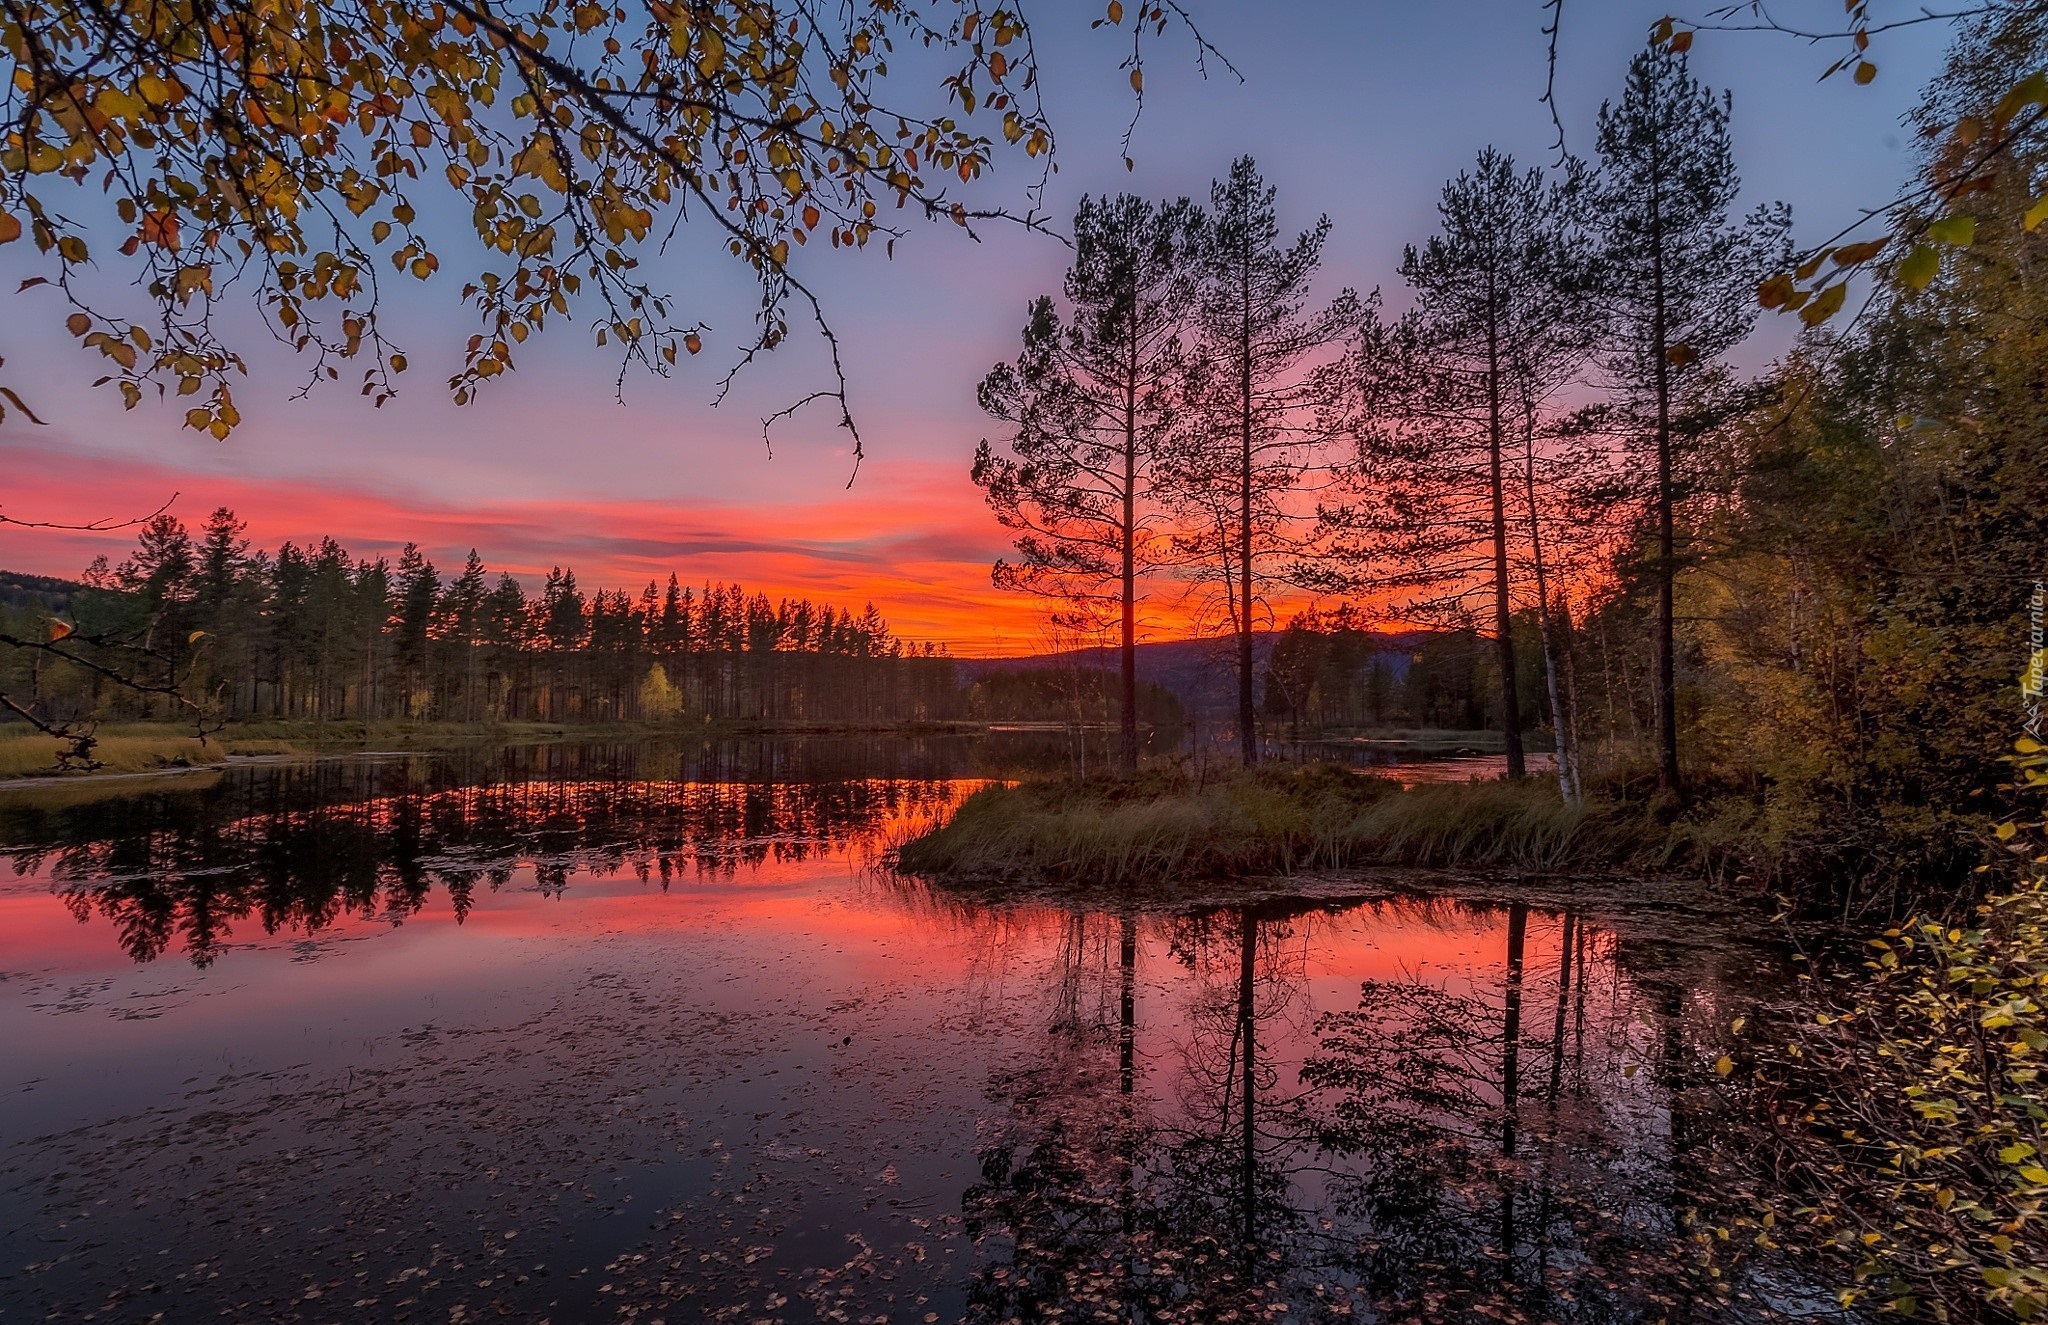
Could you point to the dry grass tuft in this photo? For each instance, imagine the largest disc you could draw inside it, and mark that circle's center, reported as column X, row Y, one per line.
column 1277, row 821
column 35, row 755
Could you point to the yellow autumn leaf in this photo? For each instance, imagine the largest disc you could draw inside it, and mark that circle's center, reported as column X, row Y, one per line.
column 1919, row 268
column 1776, row 291
column 1825, row 305
column 1959, row 231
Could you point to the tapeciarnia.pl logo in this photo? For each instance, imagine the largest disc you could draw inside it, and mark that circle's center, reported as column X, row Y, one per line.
column 2031, row 684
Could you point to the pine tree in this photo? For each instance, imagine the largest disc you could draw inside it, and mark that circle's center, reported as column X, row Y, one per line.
column 562, row 623
column 322, row 636
column 160, row 573
column 418, row 590
column 460, row 627
column 1679, row 275
column 1259, row 403
column 359, row 612
column 1501, row 316
column 221, row 559
column 226, row 602
column 1090, row 402
column 672, row 628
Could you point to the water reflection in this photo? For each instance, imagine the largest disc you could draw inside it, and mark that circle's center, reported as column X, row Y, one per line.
column 1501, row 1142
column 1392, row 1108
column 301, row 849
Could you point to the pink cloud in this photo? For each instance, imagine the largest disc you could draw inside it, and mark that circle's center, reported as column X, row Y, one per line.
column 915, row 540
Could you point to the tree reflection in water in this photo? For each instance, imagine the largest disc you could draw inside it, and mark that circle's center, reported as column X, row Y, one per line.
column 1095, row 1203
column 301, row 850
column 1205, row 1123
column 1497, row 1145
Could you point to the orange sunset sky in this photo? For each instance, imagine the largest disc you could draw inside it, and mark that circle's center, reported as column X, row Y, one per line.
column 550, row 468
column 919, row 548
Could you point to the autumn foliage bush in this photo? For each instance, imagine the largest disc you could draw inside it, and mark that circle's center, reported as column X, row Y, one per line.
column 1909, row 1111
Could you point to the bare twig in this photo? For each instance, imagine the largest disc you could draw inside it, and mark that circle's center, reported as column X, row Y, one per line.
column 94, row 527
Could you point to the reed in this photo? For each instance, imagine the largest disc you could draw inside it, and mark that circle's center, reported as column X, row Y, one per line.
column 1279, row 821
column 31, row 755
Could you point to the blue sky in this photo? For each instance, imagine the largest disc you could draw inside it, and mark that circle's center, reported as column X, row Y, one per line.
column 1359, row 110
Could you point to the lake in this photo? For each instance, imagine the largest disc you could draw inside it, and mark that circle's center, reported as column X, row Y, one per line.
column 638, row 1034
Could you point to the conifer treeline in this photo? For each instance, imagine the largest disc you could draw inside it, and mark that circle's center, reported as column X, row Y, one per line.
column 311, row 633
column 1334, row 671
column 1193, row 409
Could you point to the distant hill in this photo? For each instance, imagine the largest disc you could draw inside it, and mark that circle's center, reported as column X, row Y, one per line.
column 40, row 593
column 1201, row 672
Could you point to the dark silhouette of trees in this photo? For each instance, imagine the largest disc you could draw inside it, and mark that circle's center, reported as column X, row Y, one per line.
column 1500, row 315
column 1256, row 393
column 1336, row 671
column 309, row 848
column 1677, row 272
column 1092, row 401
column 309, row 634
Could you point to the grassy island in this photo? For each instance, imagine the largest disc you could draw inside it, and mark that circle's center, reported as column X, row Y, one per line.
column 1279, row 820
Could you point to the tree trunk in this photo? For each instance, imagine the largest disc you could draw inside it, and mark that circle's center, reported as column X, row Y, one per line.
column 1511, row 1029
column 1511, row 1083
column 1564, row 718
column 1564, row 994
column 1247, row 713
column 1667, row 669
column 1247, row 1027
column 1127, row 1077
column 1510, row 706
column 1127, row 717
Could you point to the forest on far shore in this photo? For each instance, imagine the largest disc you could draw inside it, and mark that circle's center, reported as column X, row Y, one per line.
column 208, row 630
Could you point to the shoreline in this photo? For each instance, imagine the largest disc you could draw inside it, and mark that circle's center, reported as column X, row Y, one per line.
column 174, row 773
column 278, row 742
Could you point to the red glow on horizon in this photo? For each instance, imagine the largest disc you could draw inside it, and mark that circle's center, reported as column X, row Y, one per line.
column 915, row 540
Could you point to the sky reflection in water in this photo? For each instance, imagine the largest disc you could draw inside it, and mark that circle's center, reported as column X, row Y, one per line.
column 413, row 1040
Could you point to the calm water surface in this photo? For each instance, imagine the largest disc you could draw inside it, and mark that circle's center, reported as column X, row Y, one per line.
column 618, row 1034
